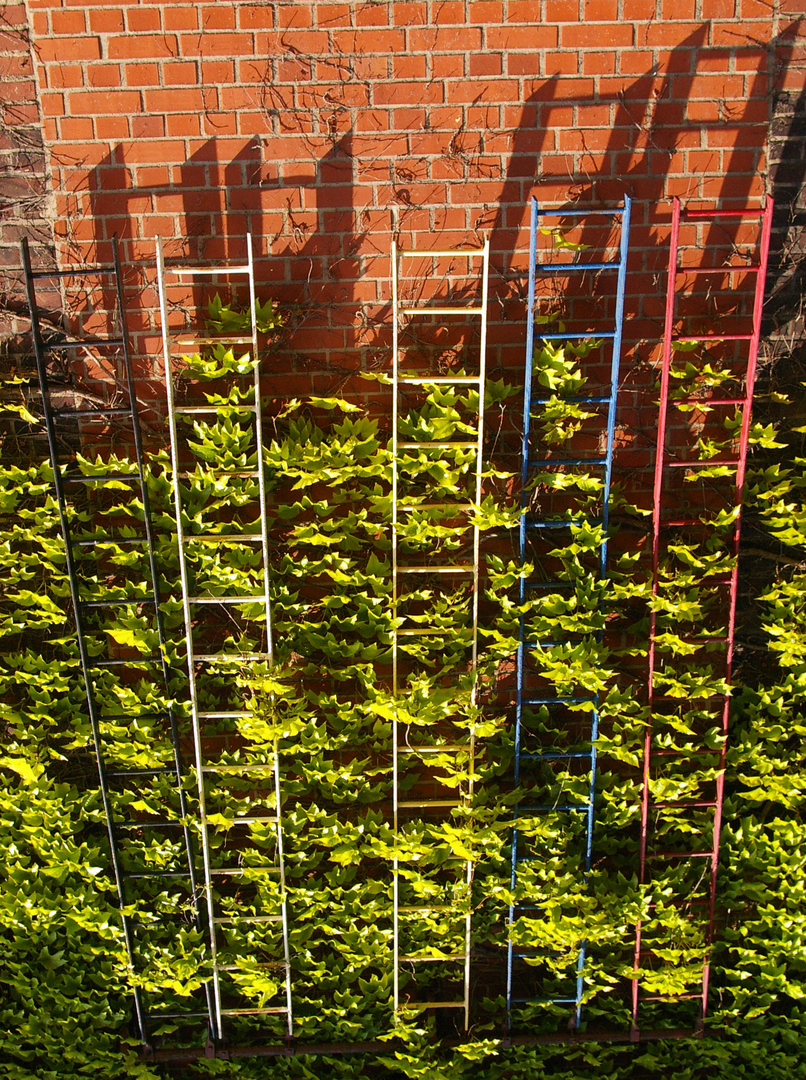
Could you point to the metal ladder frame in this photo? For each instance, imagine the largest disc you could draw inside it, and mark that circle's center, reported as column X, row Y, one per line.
column 399, row 311
column 80, row 606
column 203, row 768
column 662, row 463
column 527, row 464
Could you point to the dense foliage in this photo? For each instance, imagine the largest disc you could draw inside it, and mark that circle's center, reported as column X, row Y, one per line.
column 64, row 974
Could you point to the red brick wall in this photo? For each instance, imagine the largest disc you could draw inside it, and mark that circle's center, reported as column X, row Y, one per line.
column 323, row 127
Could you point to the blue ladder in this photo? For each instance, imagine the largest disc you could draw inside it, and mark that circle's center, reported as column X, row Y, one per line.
column 560, row 531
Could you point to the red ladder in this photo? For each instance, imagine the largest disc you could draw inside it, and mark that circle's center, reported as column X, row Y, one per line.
column 716, row 482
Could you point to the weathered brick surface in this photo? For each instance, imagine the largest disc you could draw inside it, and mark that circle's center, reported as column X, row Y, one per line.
column 325, row 128
column 24, row 188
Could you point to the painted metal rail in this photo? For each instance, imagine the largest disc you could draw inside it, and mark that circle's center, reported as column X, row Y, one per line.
column 421, row 757
column 100, row 591
column 711, row 515
column 537, row 525
column 215, row 668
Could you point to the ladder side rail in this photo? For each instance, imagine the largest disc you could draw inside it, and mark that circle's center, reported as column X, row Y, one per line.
column 519, row 661
column 41, row 367
column 744, row 437
column 264, row 531
column 148, row 529
column 476, row 589
column 395, row 658
column 183, row 573
column 656, row 527
column 615, row 367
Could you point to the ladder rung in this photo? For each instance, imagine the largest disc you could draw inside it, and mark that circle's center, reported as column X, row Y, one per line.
column 206, row 409
column 192, row 339
column 544, row 1001
column 121, row 774
column 681, row 855
column 101, row 479
column 155, row 874
column 81, row 271
column 608, row 335
column 277, row 1010
column 688, row 270
column 704, row 215
column 234, row 919
column 556, row 700
column 259, row 598
column 414, row 909
column 707, row 805
column 239, row 473
column 237, row 768
column 549, row 268
column 240, row 871
column 710, row 401
column 714, row 337
column 240, row 657
column 456, row 568
column 86, row 414
column 617, row 212
column 447, row 380
column 214, row 538
column 147, row 825
column 95, row 343
column 432, row 1005
column 459, row 507
column 449, row 310
column 425, row 804
column 561, row 524
column 671, row 998
column 177, row 1015
column 572, row 400
column 701, row 464
column 152, row 659
column 432, row 959
column 110, row 542
column 447, row 748
column 553, row 757
column 567, row 461
column 116, row 602
column 551, row 807
column 437, row 445
column 261, row 819
column 204, row 270
column 469, row 253
column 237, row 715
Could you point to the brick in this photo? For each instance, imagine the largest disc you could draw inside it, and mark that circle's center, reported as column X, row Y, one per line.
column 182, row 124
column 103, row 75
column 75, row 129
column 527, row 63
column 497, row 90
column 174, row 100
column 484, row 64
column 179, row 72
column 371, row 15
column 217, row 72
column 215, row 44
column 180, row 17
column 445, row 39
column 145, row 46
column 106, row 21
column 614, row 35
column 148, row 127
column 397, row 93
column 109, row 128
column 384, row 42
column 562, row 11
column 449, row 11
column 68, row 22
column 59, row 76
column 90, row 103
column 255, row 16
column 407, row 13
column 153, row 153
column 635, row 62
column 143, row 19
column 555, row 63
column 486, row 11
column 53, row 50
column 141, row 75
column 599, row 63
column 409, row 67
column 600, row 10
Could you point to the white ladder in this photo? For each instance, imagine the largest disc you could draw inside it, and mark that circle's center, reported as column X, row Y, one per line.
column 205, row 667
column 421, row 762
